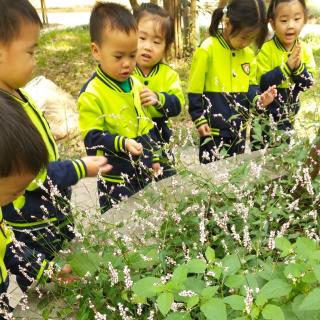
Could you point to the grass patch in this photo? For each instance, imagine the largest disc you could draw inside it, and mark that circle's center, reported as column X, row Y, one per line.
column 64, row 57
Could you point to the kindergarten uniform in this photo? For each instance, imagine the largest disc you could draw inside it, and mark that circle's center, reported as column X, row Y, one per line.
column 217, row 92
column 13, row 258
column 165, row 81
column 110, row 112
column 41, row 216
column 272, row 69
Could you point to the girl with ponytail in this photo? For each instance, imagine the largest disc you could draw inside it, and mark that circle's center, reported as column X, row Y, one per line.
column 220, row 76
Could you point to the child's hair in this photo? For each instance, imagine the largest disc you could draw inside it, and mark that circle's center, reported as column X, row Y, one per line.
column 112, row 15
column 160, row 16
column 21, row 145
column 12, row 14
column 273, row 7
column 242, row 14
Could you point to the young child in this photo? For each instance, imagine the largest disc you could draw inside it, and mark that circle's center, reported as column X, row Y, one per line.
column 220, row 74
column 40, row 217
column 111, row 118
column 23, row 155
column 162, row 93
column 285, row 61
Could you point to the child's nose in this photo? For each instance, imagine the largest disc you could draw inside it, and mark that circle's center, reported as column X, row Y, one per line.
column 290, row 23
column 147, row 45
column 126, row 63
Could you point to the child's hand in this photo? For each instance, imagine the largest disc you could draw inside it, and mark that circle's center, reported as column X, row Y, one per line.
column 204, row 130
column 156, row 168
column 65, row 275
column 148, row 97
column 133, row 147
column 267, row 97
column 96, row 164
column 294, row 60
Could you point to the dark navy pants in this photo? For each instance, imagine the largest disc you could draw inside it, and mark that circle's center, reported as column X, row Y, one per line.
column 209, row 147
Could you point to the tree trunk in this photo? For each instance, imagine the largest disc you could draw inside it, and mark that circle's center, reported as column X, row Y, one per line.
column 154, row 1
column 44, row 12
column 134, row 4
column 174, row 8
column 193, row 25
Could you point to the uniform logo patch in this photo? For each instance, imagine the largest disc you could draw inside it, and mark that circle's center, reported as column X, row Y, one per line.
column 246, row 68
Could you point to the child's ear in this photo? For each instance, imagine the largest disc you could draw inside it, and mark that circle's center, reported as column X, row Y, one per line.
column 226, row 23
column 272, row 23
column 95, row 51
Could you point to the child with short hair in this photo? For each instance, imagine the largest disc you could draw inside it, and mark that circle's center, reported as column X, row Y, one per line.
column 162, row 93
column 220, row 75
column 23, row 155
column 286, row 62
column 41, row 217
column 111, row 118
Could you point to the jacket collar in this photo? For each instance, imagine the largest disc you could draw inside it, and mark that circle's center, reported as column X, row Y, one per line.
column 152, row 72
column 280, row 46
column 108, row 81
column 222, row 41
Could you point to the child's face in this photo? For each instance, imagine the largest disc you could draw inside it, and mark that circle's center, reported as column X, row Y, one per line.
column 241, row 39
column 13, row 186
column 288, row 22
column 116, row 53
column 151, row 45
column 17, row 58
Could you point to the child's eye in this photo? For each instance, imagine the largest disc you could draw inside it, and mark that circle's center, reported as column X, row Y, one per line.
column 142, row 38
column 118, row 57
column 283, row 21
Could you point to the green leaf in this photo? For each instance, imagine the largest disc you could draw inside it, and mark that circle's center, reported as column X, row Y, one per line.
column 284, row 245
column 261, row 300
column 294, row 269
column 236, row 302
column 275, row 289
column 147, row 287
column 192, row 301
column 210, row 255
column 309, row 277
column 231, row 264
column 209, row 292
column 178, row 316
column 214, row 309
column 164, row 302
column 136, row 261
column 196, row 266
column 194, row 284
column 272, row 312
column 316, row 270
column 138, row 299
column 179, row 276
column 306, row 248
column 312, row 301
column 235, row 281
column 83, row 263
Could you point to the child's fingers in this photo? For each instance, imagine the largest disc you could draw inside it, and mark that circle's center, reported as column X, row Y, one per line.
column 105, row 169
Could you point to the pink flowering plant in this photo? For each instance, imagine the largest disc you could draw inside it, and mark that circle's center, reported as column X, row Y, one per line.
column 244, row 248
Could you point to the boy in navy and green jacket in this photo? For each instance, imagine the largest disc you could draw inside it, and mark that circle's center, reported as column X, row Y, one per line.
column 41, row 217
column 111, row 118
column 23, row 155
